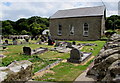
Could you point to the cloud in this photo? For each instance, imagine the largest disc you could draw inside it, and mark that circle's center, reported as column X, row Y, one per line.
column 27, row 9
column 15, row 9
column 59, row 0
column 7, row 3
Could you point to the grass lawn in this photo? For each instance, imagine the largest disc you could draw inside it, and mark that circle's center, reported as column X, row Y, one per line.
column 63, row 72
column 69, row 71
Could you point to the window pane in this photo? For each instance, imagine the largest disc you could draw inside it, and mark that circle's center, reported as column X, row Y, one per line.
column 71, row 29
column 85, row 33
column 85, row 29
column 59, row 29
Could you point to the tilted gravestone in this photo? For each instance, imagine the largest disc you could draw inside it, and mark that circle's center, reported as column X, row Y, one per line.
column 75, row 56
column 27, row 50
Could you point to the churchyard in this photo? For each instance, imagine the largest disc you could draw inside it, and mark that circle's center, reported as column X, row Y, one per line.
column 60, row 70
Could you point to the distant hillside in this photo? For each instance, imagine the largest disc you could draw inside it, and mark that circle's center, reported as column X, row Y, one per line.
column 31, row 26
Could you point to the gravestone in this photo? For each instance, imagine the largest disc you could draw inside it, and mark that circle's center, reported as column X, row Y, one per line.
column 4, row 47
column 50, row 42
column 42, row 39
column 32, row 38
column 40, row 42
column 27, row 50
column 73, row 43
column 27, row 40
column 6, row 41
column 15, row 42
column 14, row 38
column 69, row 45
column 57, row 44
column 36, row 37
column 75, row 56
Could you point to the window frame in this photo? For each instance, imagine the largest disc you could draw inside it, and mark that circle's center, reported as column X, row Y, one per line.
column 59, row 32
column 71, row 29
column 85, row 31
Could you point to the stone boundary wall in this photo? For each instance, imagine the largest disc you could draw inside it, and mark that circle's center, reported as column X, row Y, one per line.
column 106, row 66
column 16, row 71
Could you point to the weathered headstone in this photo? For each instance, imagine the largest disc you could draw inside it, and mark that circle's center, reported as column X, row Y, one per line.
column 27, row 50
column 75, row 56
column 32, row 38
column 69, row 45
column 14, row 38
column 6, row 41
column 74, row 43
column 4, row 47
column 50, row 42
column 36, row 37
column 40, row 42
column 42, row 39
column 27, row 40
column 57, row 44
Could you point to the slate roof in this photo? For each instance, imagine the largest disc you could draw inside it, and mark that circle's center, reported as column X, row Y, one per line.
column 79, row 12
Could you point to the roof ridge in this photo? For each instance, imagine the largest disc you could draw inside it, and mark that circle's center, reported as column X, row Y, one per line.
column 85, row 11
column 82, row 8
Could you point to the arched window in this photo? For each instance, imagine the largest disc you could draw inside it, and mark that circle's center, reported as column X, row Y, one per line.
column 59, row 29
column 71, row 27
column 85, row 29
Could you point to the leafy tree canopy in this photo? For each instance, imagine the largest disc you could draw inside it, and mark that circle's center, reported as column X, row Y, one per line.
column 113, row 22
column 31, row 26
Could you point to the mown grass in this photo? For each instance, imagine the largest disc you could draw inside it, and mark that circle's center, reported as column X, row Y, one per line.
column 63, row 72
column 15, row 52
column 69, row 71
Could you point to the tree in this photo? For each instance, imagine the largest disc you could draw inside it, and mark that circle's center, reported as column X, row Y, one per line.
column 113, row 22
column 35, row 29
column 7, row 28
column 31, row 26
column 24, row 32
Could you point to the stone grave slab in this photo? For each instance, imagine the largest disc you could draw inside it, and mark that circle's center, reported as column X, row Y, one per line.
column 29, row 51
column 77, row 57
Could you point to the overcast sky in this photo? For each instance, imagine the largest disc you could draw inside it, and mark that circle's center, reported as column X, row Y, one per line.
column 16, row 9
